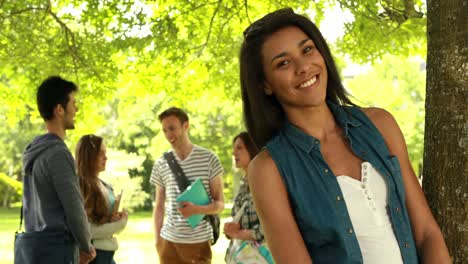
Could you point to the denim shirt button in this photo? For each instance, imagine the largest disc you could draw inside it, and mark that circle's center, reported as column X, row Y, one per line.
column 397, row 209
column 350, row 231
column 325, row 170
column 338, row 198
column 406, row 245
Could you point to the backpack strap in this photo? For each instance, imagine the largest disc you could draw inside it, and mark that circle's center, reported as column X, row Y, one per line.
column 181, row 179
column 21, row 220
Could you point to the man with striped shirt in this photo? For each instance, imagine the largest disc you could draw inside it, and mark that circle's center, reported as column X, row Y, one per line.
column 176, row 241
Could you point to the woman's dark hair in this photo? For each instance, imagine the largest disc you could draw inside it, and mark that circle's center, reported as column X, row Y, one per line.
column 263, row 114
column 87, row 152
column 248, row 142
column 52, row 92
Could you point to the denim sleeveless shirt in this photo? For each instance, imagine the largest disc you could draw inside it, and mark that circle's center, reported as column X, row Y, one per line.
column 315, row 195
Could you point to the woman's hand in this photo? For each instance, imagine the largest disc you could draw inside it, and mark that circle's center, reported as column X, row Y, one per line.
column 115, row 217
column 119, row 215
column 232, row 230
column 124, row 214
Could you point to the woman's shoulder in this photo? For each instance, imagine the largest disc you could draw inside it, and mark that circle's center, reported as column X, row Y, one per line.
column 262, row 166
column 387, row 126
column 376, row 113
column 382, row 119
column 262, row 159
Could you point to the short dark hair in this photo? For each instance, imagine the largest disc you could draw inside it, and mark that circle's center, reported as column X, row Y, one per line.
column 263, row 115
column 53, row 91
column 248, row 142
column 174, row 111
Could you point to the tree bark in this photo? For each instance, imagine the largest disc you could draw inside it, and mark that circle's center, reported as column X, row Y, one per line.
column 445, row 168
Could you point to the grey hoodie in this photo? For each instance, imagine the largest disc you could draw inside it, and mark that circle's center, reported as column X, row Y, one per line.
column 52, row 199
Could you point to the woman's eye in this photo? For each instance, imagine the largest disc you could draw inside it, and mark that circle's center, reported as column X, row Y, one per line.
column 282, row 63
column 308, row 49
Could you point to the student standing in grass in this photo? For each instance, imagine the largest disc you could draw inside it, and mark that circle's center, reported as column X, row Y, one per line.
column 100, row 199
column 54, row 215
column 176, row 241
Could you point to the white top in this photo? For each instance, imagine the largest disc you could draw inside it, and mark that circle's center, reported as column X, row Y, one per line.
column 200, row 164
column 367, row 205
column 102, row 235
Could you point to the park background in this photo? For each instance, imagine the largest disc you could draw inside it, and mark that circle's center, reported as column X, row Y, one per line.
column 133, row 59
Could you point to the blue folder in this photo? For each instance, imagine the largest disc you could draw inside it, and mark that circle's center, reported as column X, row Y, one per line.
column 195, row 194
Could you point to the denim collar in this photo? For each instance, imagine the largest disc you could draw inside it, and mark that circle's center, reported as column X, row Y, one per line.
column 308, row 143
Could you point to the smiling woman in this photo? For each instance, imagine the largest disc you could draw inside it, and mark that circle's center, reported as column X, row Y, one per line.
column 299, row 74
column 297, row 110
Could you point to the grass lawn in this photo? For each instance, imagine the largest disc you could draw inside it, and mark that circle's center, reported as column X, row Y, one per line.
column 136, row 241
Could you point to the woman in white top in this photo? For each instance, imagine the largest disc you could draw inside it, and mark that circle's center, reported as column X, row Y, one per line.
column 99, row 198
column 296, row 107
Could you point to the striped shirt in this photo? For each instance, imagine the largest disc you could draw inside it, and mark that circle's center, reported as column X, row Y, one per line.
column 200, row 164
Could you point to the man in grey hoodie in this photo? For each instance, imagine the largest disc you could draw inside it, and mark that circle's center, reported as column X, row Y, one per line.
column 52, row 203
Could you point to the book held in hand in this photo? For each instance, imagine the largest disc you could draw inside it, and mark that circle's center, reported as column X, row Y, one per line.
column 115, row 209
column 197, row 195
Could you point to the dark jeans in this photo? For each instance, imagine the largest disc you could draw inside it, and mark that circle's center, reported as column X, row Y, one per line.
column 103, row 257
column 44, row 247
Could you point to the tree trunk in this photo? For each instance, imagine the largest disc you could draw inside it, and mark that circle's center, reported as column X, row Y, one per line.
column 445, row 168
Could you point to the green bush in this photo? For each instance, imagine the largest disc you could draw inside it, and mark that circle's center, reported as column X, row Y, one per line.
column 117, row 174
column 11, row 190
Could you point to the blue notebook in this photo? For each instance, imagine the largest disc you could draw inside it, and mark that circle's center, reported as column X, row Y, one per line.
column 195, row 194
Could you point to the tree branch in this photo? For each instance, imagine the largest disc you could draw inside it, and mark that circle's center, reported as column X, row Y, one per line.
column 71, row 44
column 398, row 15
column 69, row 38
column 410, row 11
column 391, row 12
column 208, row 36
column 226, row 21
column 247, row 11
column 197, row 7
column 14, row 13
column 370, row 14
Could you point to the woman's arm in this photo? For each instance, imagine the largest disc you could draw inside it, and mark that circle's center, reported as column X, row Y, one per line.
column 273, row 208
column 233, row 231
column 428, row 237
column 108, row 229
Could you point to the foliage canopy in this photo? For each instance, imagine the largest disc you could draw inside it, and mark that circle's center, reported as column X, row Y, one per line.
column 131, row 59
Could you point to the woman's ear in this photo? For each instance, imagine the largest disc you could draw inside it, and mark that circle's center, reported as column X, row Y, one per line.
column 267, row 88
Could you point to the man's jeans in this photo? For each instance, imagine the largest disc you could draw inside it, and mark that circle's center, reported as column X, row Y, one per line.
column 44, row 247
